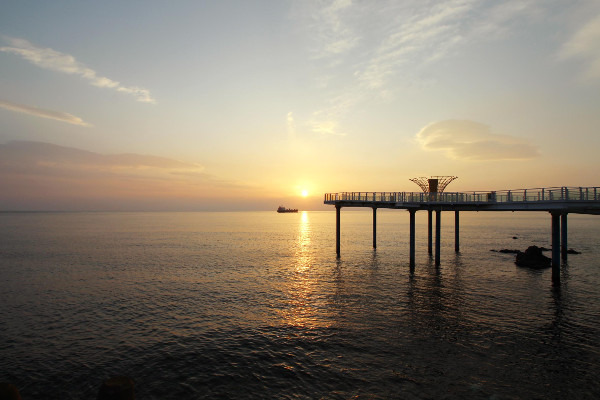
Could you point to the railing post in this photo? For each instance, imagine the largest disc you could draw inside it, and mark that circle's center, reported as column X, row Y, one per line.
column 580, row 193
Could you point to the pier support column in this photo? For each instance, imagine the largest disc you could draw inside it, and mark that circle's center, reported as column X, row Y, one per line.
column 412, row 239
column 563, row 236
column 338, row 208
column 456, row 231
column 429, row 235
column 438, row 229
column 374, row 227
column 556, row 248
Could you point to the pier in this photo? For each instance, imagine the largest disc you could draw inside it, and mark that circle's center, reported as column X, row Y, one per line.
column 558, row 201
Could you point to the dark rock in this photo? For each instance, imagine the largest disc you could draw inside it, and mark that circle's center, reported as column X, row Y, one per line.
column 533, row 258
column 571, row 251
column 544, row 249
column 514, row 237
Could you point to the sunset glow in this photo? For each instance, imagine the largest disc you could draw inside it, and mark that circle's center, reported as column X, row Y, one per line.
column 250, row 105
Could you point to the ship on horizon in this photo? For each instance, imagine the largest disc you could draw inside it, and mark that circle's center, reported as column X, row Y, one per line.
column 282, row 209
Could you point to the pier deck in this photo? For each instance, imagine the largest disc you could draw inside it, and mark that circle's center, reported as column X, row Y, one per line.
column 558, row 201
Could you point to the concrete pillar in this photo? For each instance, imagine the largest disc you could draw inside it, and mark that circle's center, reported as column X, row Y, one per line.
column 556, row 248
column 438, row 232
column 456, row 231
column 429, row 235
column 337, row 229
column 412, row 238
column 563, row 236
column 374, row 227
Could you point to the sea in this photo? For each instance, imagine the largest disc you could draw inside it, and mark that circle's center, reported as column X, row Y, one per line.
column 256, row 305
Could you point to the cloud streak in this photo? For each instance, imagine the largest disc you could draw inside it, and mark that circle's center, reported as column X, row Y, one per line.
column 474, row 141
column 585, row 45
column 24, row 154
column 53, row 60
column 44, row 176
column 333, row 35
column 42, row 113
column 382, row 46
column 380, row 42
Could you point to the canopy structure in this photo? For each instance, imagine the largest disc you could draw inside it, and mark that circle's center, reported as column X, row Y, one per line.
column 434, row 184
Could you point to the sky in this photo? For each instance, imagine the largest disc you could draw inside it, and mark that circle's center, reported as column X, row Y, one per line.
column 248, row 105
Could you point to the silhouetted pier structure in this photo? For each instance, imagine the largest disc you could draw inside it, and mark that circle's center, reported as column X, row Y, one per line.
column 558, row 201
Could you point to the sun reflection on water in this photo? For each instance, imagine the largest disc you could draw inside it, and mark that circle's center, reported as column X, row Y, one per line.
column 303, row 302
column 303, row 255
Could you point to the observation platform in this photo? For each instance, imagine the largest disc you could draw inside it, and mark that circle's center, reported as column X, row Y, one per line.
column 558, row 201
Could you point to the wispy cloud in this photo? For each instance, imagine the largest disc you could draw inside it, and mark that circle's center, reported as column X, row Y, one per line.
column 326, row 121
column 39, row 112
column 326, row 127
column 53, row 60
column 418, row 33
column 363, row 49
column 51, row 159
column 333, row 35
column 36, row 175
column 584, row 45
column 291, row 126
column 426, row 34
column 470, row 140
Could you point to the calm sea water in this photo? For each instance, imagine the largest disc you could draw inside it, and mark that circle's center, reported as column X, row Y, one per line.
column 256, row 305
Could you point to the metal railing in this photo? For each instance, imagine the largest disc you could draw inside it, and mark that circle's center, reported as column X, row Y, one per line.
column 502, row 196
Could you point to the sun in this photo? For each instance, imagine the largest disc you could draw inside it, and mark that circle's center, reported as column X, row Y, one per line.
column 304, row 193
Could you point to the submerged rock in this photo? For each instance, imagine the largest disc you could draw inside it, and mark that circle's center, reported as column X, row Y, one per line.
column 507, row 251
column 533, row 258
